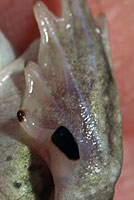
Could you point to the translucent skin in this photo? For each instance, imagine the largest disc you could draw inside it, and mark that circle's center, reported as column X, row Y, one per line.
column 72, row 86
column 116, row 30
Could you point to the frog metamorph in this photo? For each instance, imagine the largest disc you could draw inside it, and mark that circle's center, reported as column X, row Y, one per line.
column 70, row 113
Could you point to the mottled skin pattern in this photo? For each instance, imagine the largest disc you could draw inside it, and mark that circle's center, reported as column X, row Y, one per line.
column 72, row 85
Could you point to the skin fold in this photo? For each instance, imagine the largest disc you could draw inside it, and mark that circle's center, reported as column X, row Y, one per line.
column 117, row 57
column 69, row 93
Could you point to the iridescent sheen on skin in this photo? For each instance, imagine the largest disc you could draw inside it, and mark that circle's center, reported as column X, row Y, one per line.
column 72, row 85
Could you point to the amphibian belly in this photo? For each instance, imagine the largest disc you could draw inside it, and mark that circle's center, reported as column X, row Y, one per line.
column 70, row 112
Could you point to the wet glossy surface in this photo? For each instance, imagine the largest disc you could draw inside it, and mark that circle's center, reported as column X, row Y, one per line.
column 121, row 34
column 69, row 93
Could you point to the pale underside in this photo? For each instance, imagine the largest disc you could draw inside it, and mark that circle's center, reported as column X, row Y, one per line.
column 14, row 155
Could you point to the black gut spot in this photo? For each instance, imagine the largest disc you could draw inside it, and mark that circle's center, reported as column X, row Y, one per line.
column 65, row 141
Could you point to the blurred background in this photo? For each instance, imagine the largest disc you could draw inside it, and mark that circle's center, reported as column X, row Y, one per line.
column 18, row 24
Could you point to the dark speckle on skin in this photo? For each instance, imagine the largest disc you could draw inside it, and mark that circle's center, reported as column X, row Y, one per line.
column 8, row 158
column 17, row 185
